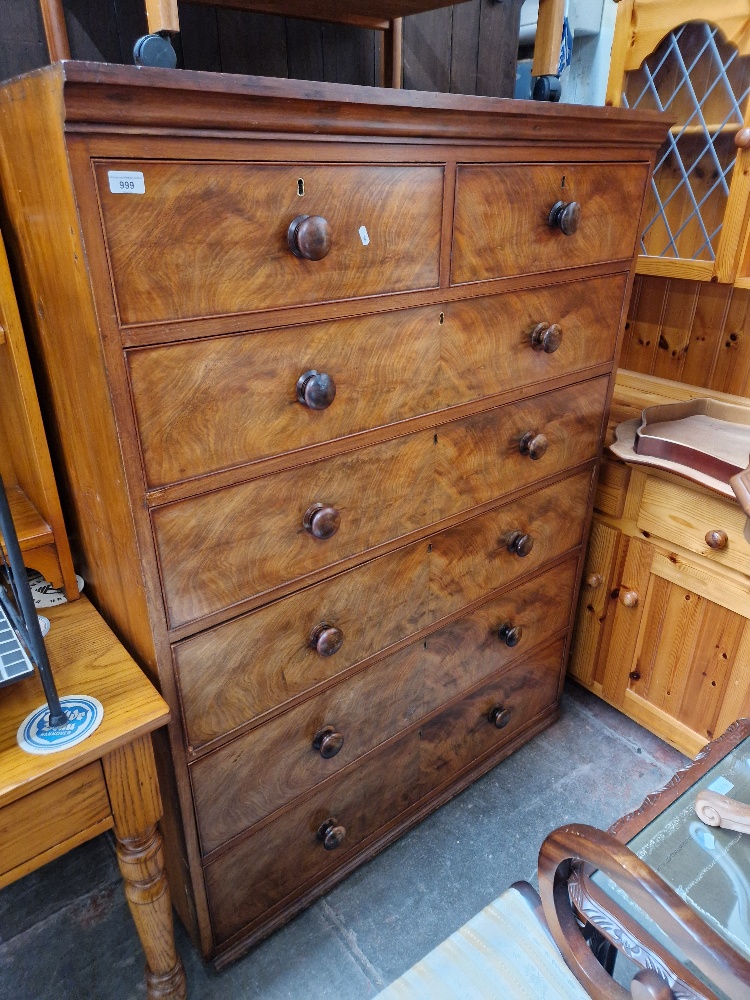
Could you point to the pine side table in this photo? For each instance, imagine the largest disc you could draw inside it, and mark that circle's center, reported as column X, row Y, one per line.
column 50, row 804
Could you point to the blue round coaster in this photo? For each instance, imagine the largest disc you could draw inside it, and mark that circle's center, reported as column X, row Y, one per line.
column 84, row 716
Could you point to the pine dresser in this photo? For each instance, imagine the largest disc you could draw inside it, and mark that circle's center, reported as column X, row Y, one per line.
column 325, row 371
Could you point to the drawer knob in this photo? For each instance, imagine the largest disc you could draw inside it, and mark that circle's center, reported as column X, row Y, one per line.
column 316, row 390
column 594, row 581
column 629, row 598
column 717, row 539
column 510, row 634
column 546, row 337
column 309, row 237
column 331, row 835
column 519, row 543
column 326, row 639
column 321, row 521
column 328, row 742
column 534, row 445
column 500, row 717
column 565, row 216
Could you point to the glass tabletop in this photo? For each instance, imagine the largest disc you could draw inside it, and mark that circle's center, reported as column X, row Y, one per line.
column 708, row 867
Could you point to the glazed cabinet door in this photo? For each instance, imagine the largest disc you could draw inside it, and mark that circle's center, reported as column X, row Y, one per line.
column 678, row 652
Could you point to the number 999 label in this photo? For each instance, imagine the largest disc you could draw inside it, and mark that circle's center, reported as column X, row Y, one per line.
column 126, row 182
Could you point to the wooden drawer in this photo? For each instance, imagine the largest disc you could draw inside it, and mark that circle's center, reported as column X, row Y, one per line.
column 370, row 707
column 202, row 406
column 249, row 879
column 501, row 218
column 685, row 515
column 208, row 239
column 285, row 856
column 464, row 731
column 40, row 825
column 240, row 542
column 224, row 675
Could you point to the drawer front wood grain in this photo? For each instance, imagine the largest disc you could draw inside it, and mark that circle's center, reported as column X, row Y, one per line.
column 370, row 707
column 230, row 675
column 221, row 548
column 688, row 516
column 40, row 821
column 466, row 729
column 208, row 239
column 283, row 856
column 207, row 405
column 501, row 224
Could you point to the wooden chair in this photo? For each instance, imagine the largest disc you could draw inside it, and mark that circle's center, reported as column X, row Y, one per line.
column 521, row 945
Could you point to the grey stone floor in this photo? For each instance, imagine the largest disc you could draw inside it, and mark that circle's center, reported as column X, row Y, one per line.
column 66, row 934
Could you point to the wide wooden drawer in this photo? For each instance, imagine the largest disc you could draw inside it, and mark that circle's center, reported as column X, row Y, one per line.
column 240, row 542
column 686, row 516
column 202, row 406
column 211, row 238
column 501, row 223
column 42, row 825
column 308, row 743
column 227, row 677
column 469, row 728
column 287, row 855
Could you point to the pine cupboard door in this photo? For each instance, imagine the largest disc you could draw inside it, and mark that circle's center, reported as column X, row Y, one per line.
column 680, row 646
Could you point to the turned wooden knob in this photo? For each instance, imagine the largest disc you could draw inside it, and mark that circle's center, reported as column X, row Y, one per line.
column 594, row 581
column 546, row 337
column 648, row 985
column 534, row 445
column 328, row 742
column 742, row 138
column 629, row 598
column 321, row 520
column 510, row 634
column 326, row 639
column 519, row 543
column 565, row 216
column 316, row 390
column 309, row 236
column 331, row 835
column 499, row 716
column 717, row 539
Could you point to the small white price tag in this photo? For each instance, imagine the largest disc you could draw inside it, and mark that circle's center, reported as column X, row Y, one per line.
column 364, row 236
column 126, row 182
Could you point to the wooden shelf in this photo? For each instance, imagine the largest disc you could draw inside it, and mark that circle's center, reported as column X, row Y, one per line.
column 31, row 528
column 728, row 129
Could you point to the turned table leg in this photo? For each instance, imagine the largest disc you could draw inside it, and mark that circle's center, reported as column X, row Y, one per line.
column 136, row 806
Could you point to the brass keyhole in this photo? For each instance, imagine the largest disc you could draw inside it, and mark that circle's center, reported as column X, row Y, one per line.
column 300, row 187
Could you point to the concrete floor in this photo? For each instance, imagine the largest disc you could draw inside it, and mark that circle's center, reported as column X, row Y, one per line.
column 66, row 934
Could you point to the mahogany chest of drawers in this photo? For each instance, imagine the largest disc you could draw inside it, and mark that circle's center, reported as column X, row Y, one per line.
column 326, row 372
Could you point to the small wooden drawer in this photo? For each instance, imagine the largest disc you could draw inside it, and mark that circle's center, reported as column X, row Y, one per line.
column 207, row 405
column 310, row 742
column 206, row 239
column 286, row 855
column 612, row 487
column 226, row 675
column 45, row 824
column 690, row 517
column 502, row 217
column 241, row 542
column 490, row 716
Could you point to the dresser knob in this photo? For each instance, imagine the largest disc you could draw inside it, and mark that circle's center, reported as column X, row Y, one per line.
column 534, row 445
column 519, row 543
column 594, row 581
column 629, row 598
column 565, row 216
column 331, row 835
column 309, row 236
column 546, row 337
column 328, row 742
column 510, row 634
column 500, row 717
column 717, row 539
column 316, row 390
column 321, row 520
column 326, row 639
